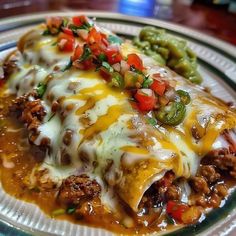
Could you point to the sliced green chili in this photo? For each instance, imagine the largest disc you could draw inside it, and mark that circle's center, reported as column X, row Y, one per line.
column 46, row 32
column 116, row 80
column 184, row 96
column 172, row 114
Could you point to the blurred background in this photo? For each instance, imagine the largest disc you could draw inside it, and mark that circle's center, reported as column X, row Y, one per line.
column 213, row 17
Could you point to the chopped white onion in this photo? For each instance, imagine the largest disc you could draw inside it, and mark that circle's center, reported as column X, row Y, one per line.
column 83, row 33
column 116, row 67
column 124, row 66
column 170, row 94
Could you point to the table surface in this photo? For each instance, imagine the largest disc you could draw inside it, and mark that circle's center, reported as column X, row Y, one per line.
column 215, row 21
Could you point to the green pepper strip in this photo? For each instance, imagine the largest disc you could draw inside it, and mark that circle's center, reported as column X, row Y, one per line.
column 184, row 96
column 172, row 114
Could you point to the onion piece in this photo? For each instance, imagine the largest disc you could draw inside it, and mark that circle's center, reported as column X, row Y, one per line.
column 117, row 67
column 124, row 67
column 170, row 94
column 82, row 33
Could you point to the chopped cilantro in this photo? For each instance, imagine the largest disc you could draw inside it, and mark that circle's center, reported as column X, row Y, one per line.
column 51, row 116
column 152, row 121
column 54, row 44
column 46, row 32
column 147, row 81
column 102, row 57
column 65, row 22
column 41, row 88
column 85, row 26
column 86, row 53
column 71, row 210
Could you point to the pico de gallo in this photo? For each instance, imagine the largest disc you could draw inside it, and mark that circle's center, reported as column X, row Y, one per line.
column 101, row 51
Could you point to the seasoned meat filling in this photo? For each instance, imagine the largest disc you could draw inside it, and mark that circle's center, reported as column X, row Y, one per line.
column 224, row 160
column 75, row 189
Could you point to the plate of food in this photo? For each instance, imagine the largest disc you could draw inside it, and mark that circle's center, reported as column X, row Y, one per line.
column 115, row 125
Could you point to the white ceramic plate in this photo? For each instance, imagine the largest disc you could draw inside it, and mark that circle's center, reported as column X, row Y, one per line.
column 218, row 68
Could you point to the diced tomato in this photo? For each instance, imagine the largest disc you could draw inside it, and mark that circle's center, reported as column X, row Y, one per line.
column 135, row 60
column 104, row 40
column 113, row 55
column 158, row 87
column 134, row 105
column 94, row 36
column 66, row 42
column 88, row 64
column 167, row 180
column 67, row 31
column 105, row 74
column 77, row 53
column 79, row 20
column 146, row 99
column 176, row 210
column 96, row 50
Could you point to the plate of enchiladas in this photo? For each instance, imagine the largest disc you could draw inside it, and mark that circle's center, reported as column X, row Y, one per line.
column 112, row 124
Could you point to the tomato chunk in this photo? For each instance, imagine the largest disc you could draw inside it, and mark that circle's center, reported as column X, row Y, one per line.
column 176, row 210
column 79, row 20
column 77, row 53
column 135, row 60
column 113, row 55
column 158, row 87
column 146, row 99
column 94, row 36
column 67, row 31
column 66, row 42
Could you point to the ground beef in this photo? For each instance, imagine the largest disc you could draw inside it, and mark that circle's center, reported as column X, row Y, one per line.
column 160, row 192
column 33, row 114
column 209, row 173
column 30, row 112
column 223, row 159
column 199, row 185
column 207, row 192
column 10, row 64
column 172, row 193
column 18, row 105
column 75, row 189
